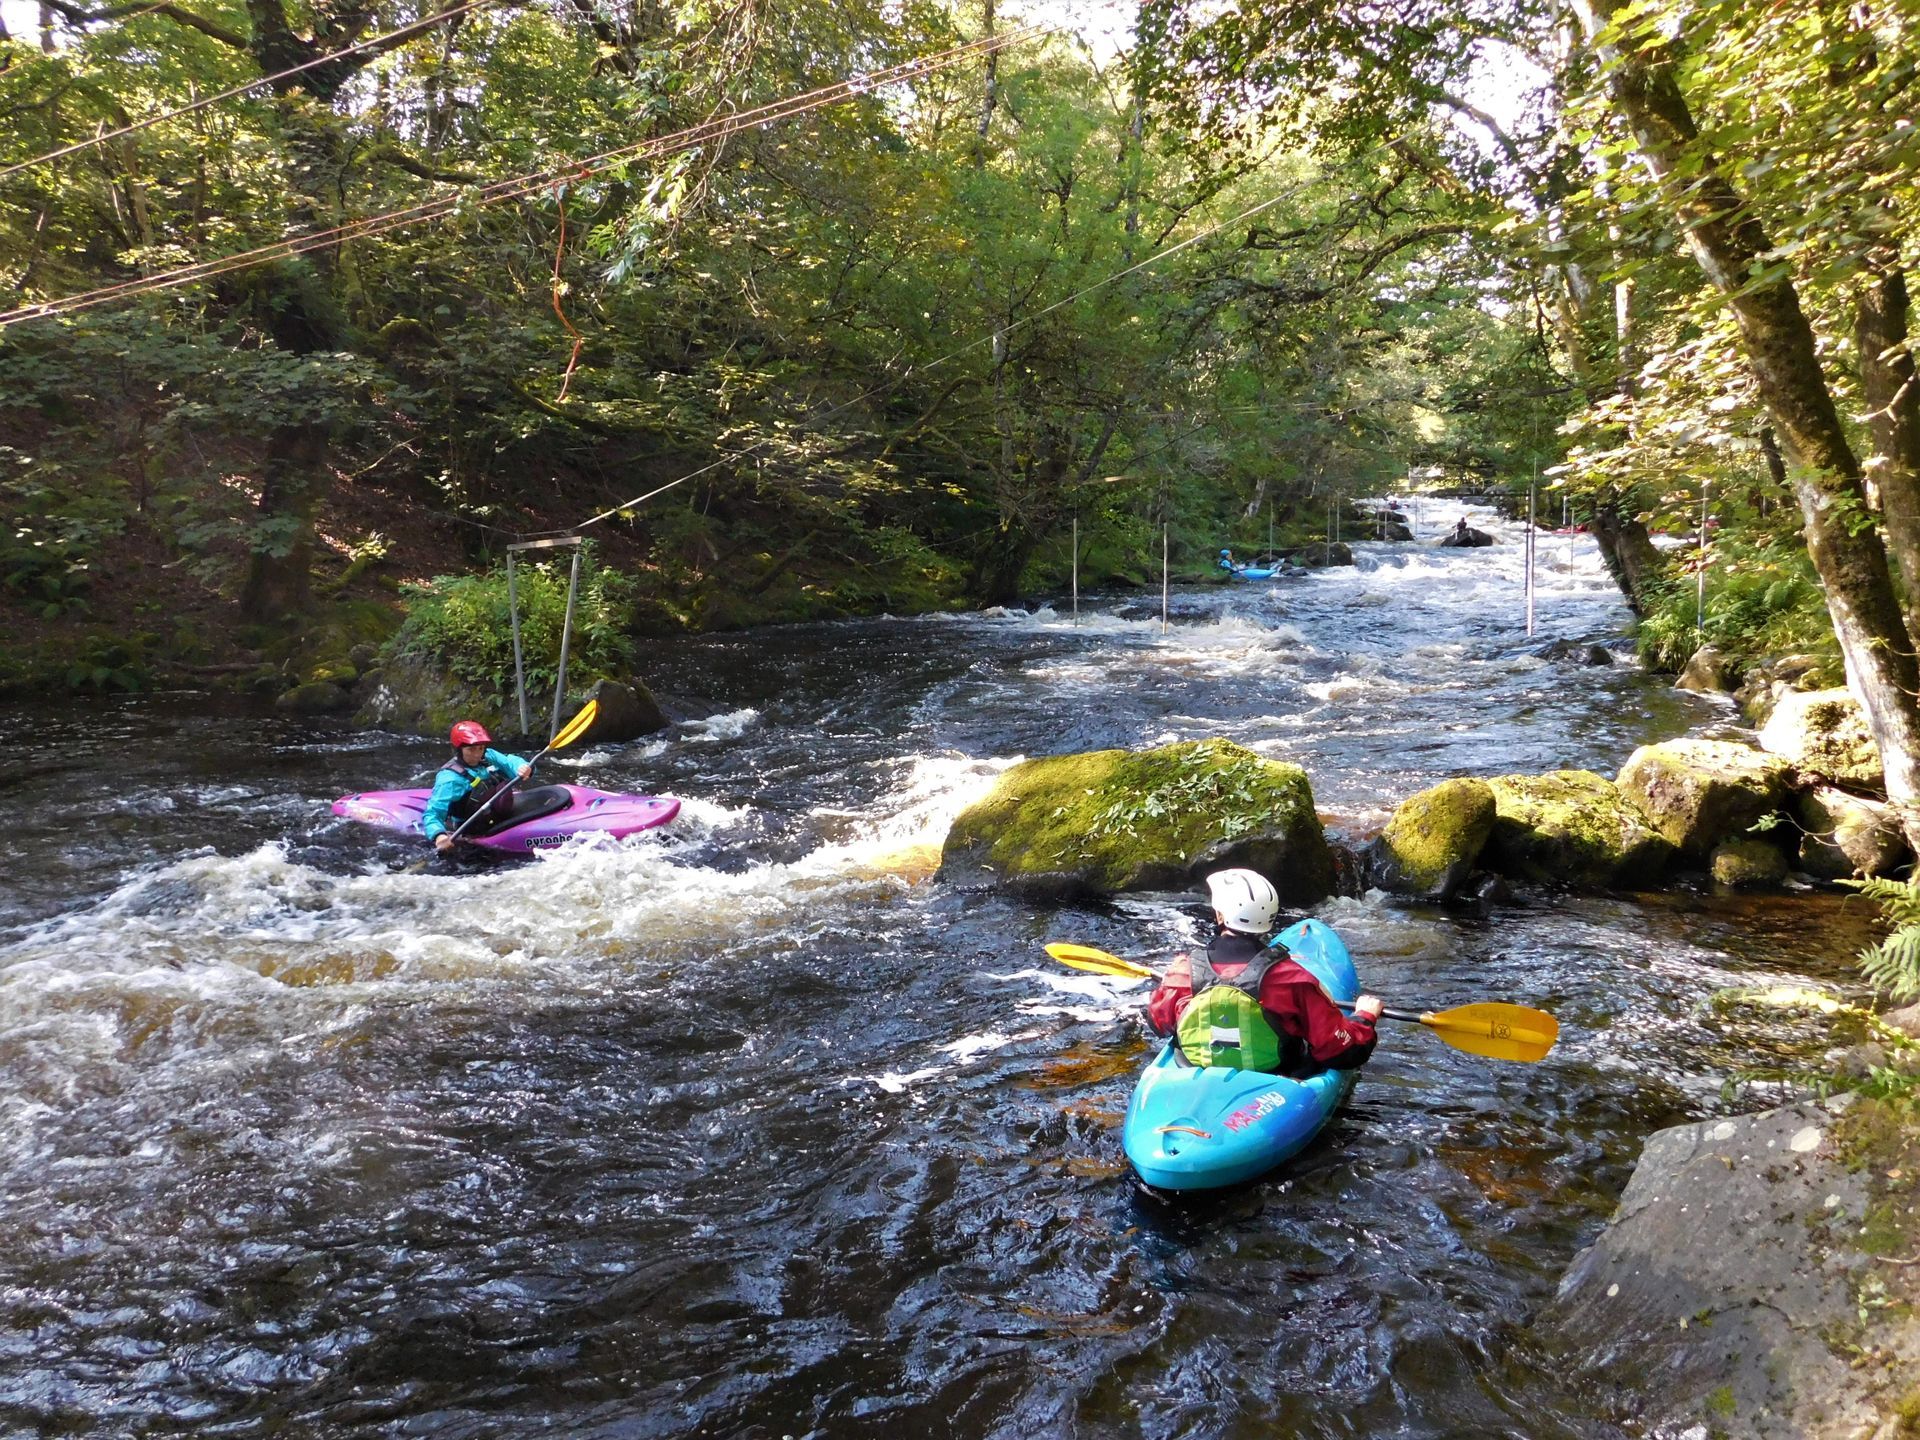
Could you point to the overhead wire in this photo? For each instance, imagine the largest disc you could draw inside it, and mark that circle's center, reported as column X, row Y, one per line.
column 523, row 185
column 954, row 354
column 404, row 32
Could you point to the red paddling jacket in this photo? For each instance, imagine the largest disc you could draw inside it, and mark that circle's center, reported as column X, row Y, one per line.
column 1319, row 1035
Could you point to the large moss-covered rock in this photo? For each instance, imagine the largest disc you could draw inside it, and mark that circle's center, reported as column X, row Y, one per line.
column 1699, row 793
column 1114, row 820
column 1824, row 733
column 1844, row 835
column 1432, row 842
column 1572, row 827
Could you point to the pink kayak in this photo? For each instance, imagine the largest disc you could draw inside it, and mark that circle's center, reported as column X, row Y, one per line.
column 543, row 817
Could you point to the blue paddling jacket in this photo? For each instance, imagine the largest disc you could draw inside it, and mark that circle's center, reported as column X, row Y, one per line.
column 456, row 783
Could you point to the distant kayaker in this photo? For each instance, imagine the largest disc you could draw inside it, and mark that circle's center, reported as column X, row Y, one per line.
column 468, row 781
column 1462, row 531
column 1252, row 1006
column 1226, row 563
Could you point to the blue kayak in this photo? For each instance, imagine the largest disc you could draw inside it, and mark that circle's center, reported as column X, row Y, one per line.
column 1198, row 1127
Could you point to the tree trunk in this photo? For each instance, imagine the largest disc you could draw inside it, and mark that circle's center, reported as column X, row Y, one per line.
column 1631, row 557
column 1729, row 242
column 1893, row 418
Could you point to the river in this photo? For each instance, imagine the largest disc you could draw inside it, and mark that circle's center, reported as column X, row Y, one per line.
column 747, row 1128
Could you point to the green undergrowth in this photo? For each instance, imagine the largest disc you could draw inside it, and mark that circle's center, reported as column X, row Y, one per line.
column 465, row 622
column 1762, row 600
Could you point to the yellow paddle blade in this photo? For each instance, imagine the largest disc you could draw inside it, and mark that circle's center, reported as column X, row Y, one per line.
column 1085, row 957
column 575, row 727
column 1500, row 1032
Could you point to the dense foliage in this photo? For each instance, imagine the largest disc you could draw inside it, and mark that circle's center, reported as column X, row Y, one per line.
column 882, row 354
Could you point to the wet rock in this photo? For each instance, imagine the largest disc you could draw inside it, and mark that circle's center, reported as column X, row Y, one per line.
column 363, row 656
column 418, row 694
column 316, row 697
column 1860, row 1061
column 627, row 711
column 1698, row 793
column 1323, row 553
column 1709, row 672
column 1573, row 828
column 1486, row 889
column 1748, row 863
column 1117, row 820
column 1906, row 1020
column 1471, row 539
column 1577, row 652
column 1846, row 835
column 1726, row 1274
column 1434, row 840
column 1824, row 733
column 1766, row 684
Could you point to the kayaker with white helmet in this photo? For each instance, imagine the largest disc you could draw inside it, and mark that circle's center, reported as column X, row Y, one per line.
column 1243, row 1004
column 465, row 783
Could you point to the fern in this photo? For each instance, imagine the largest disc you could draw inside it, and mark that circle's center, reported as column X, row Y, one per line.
column 1894, row 964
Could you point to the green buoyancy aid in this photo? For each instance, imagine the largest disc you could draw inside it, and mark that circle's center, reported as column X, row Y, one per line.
column 1223, row 1024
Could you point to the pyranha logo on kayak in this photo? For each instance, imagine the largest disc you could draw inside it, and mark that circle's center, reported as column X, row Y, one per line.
column 546, row 842
column 1268, row 1103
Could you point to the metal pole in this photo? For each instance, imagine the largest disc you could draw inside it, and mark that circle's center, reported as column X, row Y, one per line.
column 566, row 635
column 1076, row 569
column 1700, row 576
column 1163, row 577
column 519, row 666
column 1532, row 489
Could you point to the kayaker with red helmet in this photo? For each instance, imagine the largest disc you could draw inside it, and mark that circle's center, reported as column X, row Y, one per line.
column 1244, row 1004
column 465, row 783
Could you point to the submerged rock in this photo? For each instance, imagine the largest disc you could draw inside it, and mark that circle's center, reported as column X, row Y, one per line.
column 1434, row 839
column 1824, row 733
column 1698, row 793
column 1115, row 820
column 1572, row 827
column 1730, row 1286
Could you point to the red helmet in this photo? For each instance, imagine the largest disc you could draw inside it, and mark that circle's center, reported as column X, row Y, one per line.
column 470, row 732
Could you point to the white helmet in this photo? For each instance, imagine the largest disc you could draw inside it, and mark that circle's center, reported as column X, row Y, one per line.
column 1245, row 900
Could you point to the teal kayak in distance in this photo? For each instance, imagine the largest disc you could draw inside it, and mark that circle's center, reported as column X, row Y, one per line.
column 1199, row 1127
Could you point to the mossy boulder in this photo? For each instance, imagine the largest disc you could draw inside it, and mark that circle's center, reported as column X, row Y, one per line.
column 1434, row 839
column 315, row 697
column 1748, row 863
column 1844, row 835
column 1117, row 820
column 1574, row 828
column 1824, row 733
column 1698, row 793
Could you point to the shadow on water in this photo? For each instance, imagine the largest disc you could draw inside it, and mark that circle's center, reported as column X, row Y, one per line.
column 746, row 1128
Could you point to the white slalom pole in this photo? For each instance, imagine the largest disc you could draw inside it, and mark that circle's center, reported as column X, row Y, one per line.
column 1163, row 577
column 1076, row 569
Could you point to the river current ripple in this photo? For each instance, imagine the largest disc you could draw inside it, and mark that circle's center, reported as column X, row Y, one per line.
column 747, row 1128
